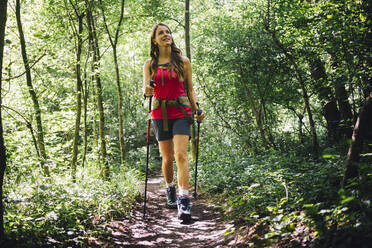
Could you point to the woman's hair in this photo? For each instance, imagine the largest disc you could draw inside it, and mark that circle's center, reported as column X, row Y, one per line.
column 176, row 62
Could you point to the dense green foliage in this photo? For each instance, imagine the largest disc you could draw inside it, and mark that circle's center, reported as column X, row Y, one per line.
column 250, row 60
column 283, row 197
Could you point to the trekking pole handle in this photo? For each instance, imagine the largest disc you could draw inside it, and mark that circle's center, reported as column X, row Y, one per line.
column 149, row 120
column 199, row 112
column 152, row 84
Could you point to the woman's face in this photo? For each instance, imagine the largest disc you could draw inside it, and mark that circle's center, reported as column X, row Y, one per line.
column 163, row 36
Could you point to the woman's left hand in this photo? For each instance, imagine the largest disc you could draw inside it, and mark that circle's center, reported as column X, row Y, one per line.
column 199, row 117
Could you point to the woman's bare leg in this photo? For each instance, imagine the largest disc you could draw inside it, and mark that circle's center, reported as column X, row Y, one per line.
column 180, row 142
column 167, row 154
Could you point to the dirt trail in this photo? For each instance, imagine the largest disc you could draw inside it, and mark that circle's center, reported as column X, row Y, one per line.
column 161, row 228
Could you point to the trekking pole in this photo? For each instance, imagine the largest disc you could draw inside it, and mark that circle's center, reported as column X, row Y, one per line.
column 197, row 155
column 147, row 151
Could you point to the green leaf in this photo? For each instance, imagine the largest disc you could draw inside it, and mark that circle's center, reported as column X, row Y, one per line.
column 308, row 205
column 348, row 199
column 362, row 17
column 328, row 156
column 366, row 154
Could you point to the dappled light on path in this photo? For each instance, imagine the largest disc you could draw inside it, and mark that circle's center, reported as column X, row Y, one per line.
column 162, row 228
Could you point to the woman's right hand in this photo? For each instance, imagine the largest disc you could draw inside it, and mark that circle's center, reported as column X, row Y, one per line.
column 149, row 91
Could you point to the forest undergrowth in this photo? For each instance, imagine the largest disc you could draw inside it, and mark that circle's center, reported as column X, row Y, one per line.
column 54, row 212
column 274, row 198
column 285, row 198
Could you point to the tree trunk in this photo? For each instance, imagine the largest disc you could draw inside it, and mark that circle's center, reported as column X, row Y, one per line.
column 79, row 87
column 362, row 129
column 187, row 29
column 300, row 133
column 114, row 43
column 3, row 7
column 267, row 120
column 256, row 107
column 96, row 62
column 257, row 111
column 332, row 116
column 40, row 133
column 346, row 114
column 188, row 54
column 85, row 101
column 329, row 105
column 120, row 109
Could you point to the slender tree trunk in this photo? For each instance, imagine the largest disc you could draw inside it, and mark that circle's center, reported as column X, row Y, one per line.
column 257, row 111
column 114, row 43
column 300, row 117
column 85, row 101
column 188, row 54
column 255, row 106
column 300, row 133
column 120, row 109
column 97, row 79
column 95, row 117
column 3, row 11
column 79, row 88
column 265, row 118
column 40, row 133
column 187, row 29
column 362, row 129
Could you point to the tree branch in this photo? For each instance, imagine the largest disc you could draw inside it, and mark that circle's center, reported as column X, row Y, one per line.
column 23, row 73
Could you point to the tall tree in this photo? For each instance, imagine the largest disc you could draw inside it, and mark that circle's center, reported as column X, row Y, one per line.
column 35, row 101
column 114, row 42
column 94, row 47
column 85, row 91
column 3, row 11
column 188, row 54
column 79, row 83
column 362, row 130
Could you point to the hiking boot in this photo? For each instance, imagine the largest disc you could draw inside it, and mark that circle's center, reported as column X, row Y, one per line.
column 171, row 197
column 183, row 203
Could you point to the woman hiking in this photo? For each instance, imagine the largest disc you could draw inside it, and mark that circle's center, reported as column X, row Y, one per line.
column 174, row 96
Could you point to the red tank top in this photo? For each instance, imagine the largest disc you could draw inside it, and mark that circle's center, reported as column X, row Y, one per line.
column 171, row 89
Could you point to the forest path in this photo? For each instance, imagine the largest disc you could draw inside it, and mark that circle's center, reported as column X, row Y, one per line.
column 162, row 228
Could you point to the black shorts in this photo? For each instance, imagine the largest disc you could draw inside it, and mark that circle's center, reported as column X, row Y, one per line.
column 175, row 126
